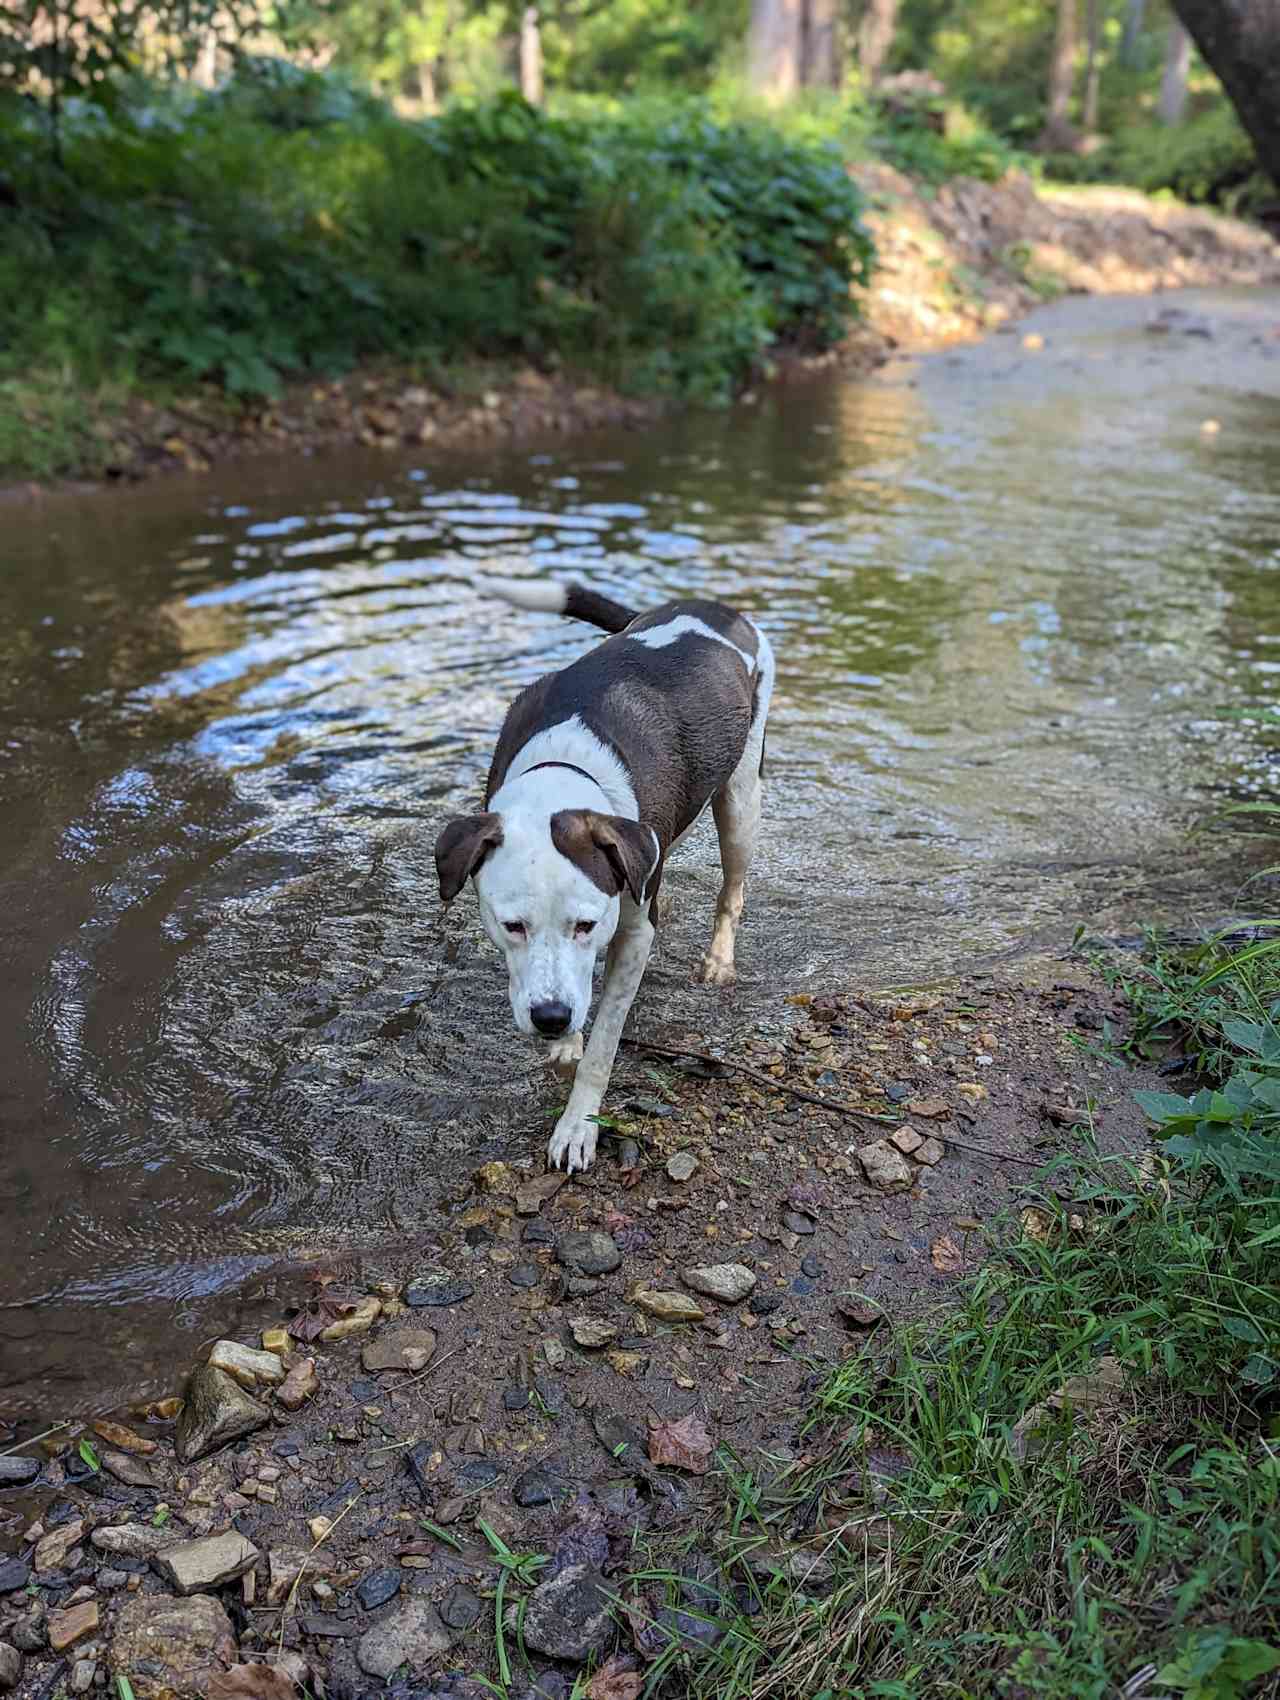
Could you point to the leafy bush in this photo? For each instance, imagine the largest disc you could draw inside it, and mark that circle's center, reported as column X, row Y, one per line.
column 1207, row 160
column 289, row 223
column 940, row 140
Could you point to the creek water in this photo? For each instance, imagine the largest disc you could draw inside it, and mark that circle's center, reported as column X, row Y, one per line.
column 1009, row 590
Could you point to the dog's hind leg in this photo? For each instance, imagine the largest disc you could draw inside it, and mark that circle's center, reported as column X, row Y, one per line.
column 736, row 808
column 573, row 1144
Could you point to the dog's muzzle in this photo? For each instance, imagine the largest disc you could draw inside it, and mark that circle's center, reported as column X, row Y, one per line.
column 551, row 1019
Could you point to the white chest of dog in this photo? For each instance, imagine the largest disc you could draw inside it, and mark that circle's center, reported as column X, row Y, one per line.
column 599, row 770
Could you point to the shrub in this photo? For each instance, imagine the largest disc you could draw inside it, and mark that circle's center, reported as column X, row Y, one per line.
column 289, row 223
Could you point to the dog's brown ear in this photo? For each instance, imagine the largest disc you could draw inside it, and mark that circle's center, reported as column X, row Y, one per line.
column 614, row 853
column 461, row 847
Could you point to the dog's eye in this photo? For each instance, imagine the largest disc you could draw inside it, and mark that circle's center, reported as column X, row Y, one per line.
column 584, row 929
column 515, row 928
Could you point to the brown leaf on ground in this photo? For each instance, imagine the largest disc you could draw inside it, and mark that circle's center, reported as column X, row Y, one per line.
column 946, row 1256
column 252, row 1682
column 1037, row 1224
column 616, row 1680
column 859, row 1313
column 928, row 1109
column 685, row 1444
column 329, row 1305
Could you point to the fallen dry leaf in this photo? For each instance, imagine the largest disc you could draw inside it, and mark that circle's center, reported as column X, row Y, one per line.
column 616, row 1680
column 251, row 1682
column 684, row 1444
column 946, row 1256
column 857, row 1313
column 1037, row 1224
column 928, row 1109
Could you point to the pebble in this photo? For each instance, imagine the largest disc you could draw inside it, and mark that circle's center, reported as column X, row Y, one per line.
column 550, row 1392
column 82, row 1675
column 299, row 1385
column 590, row 1332
column 15, row 1573
column 69, row 1626
column 10, row 1665
column 17, row 1472
column 126, row 1469
column 538, row 1232
column 460, row 1608
column 435, row 1292
column 811, row 1267
column 532, row 1489
column 30, row 1633
column 727, row 1282
column 906, row 1139
column 885, row 1167
column 245, row 1365
column 930, row 1153
column 524, row 1275
column 412, row 1635
column 897, row 1091
column 568, row 1615
column 670, row 1307
column 515, row 1398
column 196, row 1567
column 763, row 1304
column 682, row 1166
column 589, row 1254
column 377, row 1588
column 134, row 1540
column 795, row 1223
column 553, row 1352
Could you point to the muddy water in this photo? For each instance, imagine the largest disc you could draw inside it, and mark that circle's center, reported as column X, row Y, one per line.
column 1007, row 588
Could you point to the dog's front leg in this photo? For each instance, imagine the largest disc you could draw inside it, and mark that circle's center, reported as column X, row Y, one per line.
column 573, row 1144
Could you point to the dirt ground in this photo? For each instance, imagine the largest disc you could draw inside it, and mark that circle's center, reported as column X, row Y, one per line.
column 539, row 1390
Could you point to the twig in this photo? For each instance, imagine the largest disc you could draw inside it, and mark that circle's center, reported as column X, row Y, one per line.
column 43, row 1435
column 836, row 1104
column 293, row 1591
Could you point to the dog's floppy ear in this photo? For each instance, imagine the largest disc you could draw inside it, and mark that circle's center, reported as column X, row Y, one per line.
column 611, row 851
column 462, row 846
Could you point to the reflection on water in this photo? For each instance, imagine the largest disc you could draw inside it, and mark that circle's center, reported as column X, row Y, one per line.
column 1007, row 593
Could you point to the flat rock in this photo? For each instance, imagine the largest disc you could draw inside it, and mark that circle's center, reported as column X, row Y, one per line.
column 728, row 1282
column 531, row 1195
column 377, row 1587
column 388, row 1350
column 286, row 1564
column 194, row 1567
column 216, row 1410
column 171, row 1649
column 246, row 1365
column 796, row 1222
column 134, row 1540
column 460, row 1608
column 52, row 1548
column 682, row 1166
column 299, row 1385
column 437, row 1291
column 930, row 1153
column 928, row 1109
column 590, row 1332
column 412, row 1635
column 669, row 1307
column 358, row 1321
column 886, row 1167
column 15, row 1573
column 10, row 1665
column 72, row 1625
column 127, row 1469
column 17, row 1472
column 906, row 1139
column 589, row 1254
column 567, row 1616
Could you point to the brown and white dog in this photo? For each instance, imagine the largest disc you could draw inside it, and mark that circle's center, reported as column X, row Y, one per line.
column 599, row 771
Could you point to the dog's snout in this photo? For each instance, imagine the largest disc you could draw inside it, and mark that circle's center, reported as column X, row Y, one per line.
column 551, row 1018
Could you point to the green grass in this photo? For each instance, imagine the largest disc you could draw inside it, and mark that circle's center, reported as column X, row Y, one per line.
column 1126, row 1539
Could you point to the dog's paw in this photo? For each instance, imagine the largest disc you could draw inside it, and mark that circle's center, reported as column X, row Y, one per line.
column 564, row 1055
column 714, row 971
column 573, row 1144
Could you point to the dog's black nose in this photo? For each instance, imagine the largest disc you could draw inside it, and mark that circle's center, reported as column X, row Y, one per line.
column 551, row 1019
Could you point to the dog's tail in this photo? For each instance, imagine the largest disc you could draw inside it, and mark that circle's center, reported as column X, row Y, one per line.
column 549, row 596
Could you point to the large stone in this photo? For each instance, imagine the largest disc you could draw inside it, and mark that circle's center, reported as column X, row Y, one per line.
column 171, row 1649
column 127, row 1469
column 590, row 1254
column 412, row 1635
column 217, row 1409
column 193, row 1567
column 134, row 1540
column 245, row 1365
column 567, row 1616
column 15, row 1573
column 10, row 1665
column 389, row 1351
column 591, row 1332
column 727, row 1282
column 670, row 1307
column 72, row 1625
column 17, row 1472
column 886, row 1167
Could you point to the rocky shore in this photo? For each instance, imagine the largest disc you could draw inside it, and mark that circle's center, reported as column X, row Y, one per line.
column 505, row 1462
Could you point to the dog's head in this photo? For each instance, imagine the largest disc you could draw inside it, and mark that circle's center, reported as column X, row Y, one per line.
column 550, row 889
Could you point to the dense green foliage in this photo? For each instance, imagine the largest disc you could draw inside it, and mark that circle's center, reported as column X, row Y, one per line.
column 290, row 224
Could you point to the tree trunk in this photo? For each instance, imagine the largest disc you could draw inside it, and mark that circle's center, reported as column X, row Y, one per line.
column 1092, row 68
column 1240, row 41
column 1134, row 13
column 531, row 57
column 1173, row 85
column 875, row 38
column 821, row 68
column 427, row 85
column 774, row 48
column 1059, row 132
column 205, row 70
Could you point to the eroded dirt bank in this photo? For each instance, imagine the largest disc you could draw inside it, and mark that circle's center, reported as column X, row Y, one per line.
column 567, row 1367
